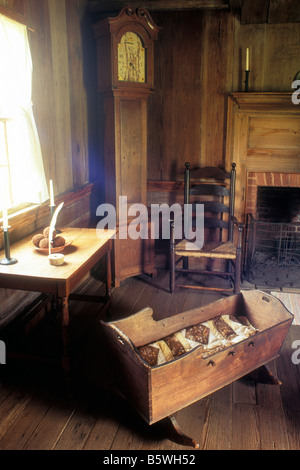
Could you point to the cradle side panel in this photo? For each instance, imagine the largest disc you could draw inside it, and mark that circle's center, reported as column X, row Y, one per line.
column 191, row 377
column 132, row 376
column 264, row 310
column 142, row 328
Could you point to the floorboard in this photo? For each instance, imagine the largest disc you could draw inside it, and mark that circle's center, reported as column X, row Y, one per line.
column 35, row 413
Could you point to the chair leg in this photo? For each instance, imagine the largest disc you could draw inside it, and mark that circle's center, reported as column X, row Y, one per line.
column 238, row 263
column 237, row 275
column 172, row 259
column 185, row 264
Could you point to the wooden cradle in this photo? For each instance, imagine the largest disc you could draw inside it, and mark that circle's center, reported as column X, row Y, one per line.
column 159, row 391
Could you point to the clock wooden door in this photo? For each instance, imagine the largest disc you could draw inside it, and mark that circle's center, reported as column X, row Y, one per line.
column 125, row 55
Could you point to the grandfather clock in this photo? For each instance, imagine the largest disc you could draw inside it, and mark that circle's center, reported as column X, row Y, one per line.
column 125, row 63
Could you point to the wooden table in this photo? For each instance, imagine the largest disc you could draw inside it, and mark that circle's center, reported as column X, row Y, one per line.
column 33, row 272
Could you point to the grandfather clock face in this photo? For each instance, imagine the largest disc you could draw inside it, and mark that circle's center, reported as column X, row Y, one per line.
column 131, row 59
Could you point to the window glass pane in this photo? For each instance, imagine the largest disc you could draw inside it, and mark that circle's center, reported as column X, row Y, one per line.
column 27, row 183
column 3, row 160
column 5, row 199
column 3, row 175
column 19, row 158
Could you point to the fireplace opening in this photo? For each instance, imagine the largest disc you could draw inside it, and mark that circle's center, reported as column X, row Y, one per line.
column 273, row 238
column 278, row 204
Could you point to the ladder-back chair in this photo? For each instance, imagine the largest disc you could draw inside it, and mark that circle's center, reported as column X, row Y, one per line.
column 214, row 189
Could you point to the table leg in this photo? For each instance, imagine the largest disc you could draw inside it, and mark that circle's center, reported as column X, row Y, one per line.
column 65, row 334
column 108, row 274
column 107, row 306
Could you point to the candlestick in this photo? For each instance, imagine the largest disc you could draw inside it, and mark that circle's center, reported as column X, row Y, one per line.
column 7, row 260
column 247, row 80
column 51, row 194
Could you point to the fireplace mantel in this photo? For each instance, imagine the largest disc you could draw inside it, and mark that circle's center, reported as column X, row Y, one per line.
column 263, row 136
column 264, row 101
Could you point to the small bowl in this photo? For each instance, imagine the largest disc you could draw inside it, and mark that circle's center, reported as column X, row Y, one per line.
column 56, row 249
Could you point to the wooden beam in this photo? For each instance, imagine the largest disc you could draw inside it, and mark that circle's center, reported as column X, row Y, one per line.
column 100, row 6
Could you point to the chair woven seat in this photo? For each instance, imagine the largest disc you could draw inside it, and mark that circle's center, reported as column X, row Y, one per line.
column 226, row 250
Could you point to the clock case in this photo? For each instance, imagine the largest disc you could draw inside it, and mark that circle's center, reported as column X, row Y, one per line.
column 108, row 34
column 122, row 114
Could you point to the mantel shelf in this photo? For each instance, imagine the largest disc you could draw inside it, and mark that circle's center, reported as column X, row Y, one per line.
column 259, row 100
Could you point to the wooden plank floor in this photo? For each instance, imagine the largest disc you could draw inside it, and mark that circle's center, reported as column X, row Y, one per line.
column 35, row 413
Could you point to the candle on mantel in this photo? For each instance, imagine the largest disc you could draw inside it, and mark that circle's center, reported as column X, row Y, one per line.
column 51, row 194
column 247, row 59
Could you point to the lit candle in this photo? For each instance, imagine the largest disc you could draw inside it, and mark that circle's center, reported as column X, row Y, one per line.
column 247, row 58
column 51, row 194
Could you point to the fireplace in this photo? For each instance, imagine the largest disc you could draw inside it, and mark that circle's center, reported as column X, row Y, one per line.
column 278, row 204
column 273, row 238
column 263, row 139
column 278, row 186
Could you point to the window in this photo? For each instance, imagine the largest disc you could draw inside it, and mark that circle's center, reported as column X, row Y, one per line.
column 22, row 174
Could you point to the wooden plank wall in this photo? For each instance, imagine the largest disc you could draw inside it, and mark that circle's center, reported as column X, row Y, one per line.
column 200, row 59
column 274, row 49
column 187, row 112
